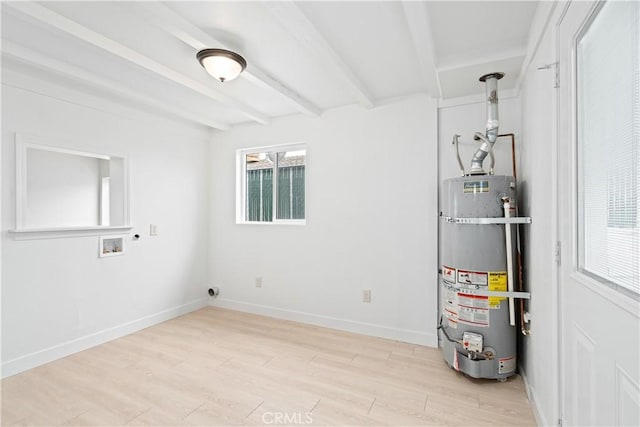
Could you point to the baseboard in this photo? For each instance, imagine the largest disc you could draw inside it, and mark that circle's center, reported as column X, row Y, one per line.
column 406, row 335
column 541, row 420
column 29, row 361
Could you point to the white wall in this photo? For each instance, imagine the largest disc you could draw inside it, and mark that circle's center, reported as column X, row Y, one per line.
column 538, row 199
column 371, row 223
column 57, row 295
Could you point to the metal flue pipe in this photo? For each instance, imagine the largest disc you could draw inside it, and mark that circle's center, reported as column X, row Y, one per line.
column 491, row 133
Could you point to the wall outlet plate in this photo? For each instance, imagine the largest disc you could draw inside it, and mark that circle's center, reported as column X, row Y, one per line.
column 258, row 282
column 366, row 295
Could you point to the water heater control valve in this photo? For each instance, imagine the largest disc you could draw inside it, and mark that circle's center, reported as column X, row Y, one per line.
column 472, row 342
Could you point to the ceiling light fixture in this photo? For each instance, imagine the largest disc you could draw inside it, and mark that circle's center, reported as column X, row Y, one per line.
column 222, row 64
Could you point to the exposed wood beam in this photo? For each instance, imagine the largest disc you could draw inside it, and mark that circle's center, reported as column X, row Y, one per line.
column 47, row 17
column 304, row 32
column 260, row 77
column 168, row 20
column 417, row 16
column 48, row 64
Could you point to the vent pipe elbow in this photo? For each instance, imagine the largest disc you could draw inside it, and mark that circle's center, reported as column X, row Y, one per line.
column 491, row 133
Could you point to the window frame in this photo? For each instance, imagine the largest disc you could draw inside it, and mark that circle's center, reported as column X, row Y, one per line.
column 583, row 272
column 241, row 183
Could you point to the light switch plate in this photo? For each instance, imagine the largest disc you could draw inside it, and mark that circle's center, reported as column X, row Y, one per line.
column 153, row 230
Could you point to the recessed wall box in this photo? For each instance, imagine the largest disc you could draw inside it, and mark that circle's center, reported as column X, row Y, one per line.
column 111, row 246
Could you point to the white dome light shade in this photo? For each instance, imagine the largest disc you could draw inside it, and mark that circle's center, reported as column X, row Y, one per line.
column 222, row 64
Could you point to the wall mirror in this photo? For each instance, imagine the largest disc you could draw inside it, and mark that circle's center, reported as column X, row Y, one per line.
column 59, row 188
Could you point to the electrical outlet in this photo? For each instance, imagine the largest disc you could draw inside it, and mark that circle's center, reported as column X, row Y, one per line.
column 258, row 282
column 153, row 230
column 366, row 295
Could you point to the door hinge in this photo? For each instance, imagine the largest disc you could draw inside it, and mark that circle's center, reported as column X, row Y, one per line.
column 556, row 68
column 557, row 253
column 559, row 422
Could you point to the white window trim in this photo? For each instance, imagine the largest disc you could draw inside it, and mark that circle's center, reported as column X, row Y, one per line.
column 241, row 178
column 615, row 292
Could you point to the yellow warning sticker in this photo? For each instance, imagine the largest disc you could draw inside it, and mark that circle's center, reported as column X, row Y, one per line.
column 497, row 282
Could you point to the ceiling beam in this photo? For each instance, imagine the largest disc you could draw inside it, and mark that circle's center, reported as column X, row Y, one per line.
column 306, row 34
column 33, row 58
column 47, row 17
column 168, row 20
column 416, row 15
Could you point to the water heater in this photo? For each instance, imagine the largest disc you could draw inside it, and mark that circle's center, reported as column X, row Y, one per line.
column 474, row 262
column 478, row 249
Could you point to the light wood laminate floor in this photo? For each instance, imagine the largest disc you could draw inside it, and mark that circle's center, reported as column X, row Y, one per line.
column 217, row 367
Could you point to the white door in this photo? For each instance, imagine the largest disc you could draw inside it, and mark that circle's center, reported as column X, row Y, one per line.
column 599, row 186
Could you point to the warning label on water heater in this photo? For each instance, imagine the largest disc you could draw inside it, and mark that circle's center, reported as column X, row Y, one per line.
column 472, row 278
column 476, row 187
column 459, row 302
column 474, row 316
column 473, row 301
column 497, row 282
column 450, row 305
column 506, row 365
column 448, row 274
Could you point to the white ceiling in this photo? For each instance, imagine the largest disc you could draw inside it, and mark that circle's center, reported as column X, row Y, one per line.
column 303, row 57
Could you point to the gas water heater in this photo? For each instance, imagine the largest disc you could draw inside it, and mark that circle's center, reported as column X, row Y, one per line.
column 478, row 249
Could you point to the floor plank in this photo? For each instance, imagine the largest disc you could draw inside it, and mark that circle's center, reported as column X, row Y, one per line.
column 217, row 367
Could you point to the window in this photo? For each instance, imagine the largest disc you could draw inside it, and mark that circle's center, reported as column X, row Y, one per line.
column 608, row 131
column 272, row 182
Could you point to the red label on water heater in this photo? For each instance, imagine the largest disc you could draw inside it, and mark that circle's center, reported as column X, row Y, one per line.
column 448, row 274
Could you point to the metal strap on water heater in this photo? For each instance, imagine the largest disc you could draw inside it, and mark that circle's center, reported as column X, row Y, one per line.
column 483, row 293
column 488, row 293
column 485, row 221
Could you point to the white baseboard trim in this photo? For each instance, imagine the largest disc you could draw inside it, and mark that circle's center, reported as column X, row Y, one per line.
column 40, row 357
column 541, row 420
column 406, row 335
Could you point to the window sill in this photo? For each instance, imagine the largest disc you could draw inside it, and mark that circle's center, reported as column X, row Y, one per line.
column 281, row 222
column 58, row 232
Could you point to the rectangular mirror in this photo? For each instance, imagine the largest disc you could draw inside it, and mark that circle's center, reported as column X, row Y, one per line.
column 59, row 188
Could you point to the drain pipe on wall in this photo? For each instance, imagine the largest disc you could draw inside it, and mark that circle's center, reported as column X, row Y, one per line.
column 507, row 228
